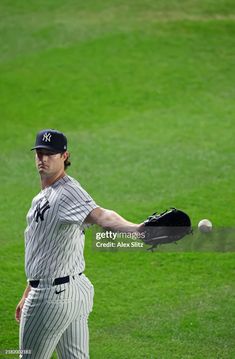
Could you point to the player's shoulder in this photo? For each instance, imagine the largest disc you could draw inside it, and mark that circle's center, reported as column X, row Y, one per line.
column 70, row 182
column 71, row 187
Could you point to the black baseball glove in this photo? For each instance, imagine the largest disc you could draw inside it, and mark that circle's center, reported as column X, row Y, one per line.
column 166, row 227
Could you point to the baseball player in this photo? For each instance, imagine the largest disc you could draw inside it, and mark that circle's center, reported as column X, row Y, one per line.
column 54, row 309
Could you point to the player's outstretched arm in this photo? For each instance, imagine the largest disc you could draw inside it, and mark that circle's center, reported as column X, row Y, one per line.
column 111, row 220
column 21, row 304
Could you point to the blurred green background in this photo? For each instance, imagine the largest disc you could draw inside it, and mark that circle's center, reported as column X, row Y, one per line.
column 144, row 91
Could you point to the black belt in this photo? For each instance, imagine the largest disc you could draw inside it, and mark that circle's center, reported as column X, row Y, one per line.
column 61, row 280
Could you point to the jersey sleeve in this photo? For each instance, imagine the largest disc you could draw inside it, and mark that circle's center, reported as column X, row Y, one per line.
column 75, row 205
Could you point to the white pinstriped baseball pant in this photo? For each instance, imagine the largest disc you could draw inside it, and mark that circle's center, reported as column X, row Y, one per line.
column 51, row 321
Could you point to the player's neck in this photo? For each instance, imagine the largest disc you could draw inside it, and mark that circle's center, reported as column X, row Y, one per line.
column 48, row 181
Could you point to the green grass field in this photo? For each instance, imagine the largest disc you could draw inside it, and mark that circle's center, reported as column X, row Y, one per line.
column 145, row 92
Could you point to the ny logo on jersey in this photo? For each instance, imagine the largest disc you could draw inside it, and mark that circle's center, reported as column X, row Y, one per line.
column 46, row 137
column 40, row 211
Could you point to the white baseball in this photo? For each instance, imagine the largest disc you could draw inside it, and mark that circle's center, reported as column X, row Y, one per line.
column 205, row 226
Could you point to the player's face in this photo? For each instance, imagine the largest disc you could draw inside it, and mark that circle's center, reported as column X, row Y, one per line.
column 48, row 163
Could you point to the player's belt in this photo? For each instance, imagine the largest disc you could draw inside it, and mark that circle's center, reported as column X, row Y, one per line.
column 56, row 281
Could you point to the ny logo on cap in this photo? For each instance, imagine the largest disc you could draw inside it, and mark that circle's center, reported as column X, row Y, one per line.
column 47, row 137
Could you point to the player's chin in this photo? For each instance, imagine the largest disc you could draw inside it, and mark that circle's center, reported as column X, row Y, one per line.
column 42, row 170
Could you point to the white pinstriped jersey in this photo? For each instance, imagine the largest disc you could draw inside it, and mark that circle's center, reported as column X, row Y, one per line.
column 54, row 237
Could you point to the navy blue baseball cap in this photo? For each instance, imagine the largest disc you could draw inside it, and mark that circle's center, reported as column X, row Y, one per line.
column 52, row 140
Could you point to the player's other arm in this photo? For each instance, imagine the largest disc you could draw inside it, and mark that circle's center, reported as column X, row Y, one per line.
column 111, row 220
column 21, row 303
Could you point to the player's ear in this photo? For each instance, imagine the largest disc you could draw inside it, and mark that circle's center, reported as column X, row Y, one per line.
column 67, row 162
column 65, row 155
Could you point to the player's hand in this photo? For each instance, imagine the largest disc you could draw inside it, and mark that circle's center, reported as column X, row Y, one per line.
column 19, row 309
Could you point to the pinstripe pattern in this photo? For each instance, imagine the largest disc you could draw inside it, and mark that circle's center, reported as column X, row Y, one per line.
column 52, row 321
column 54, row 244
